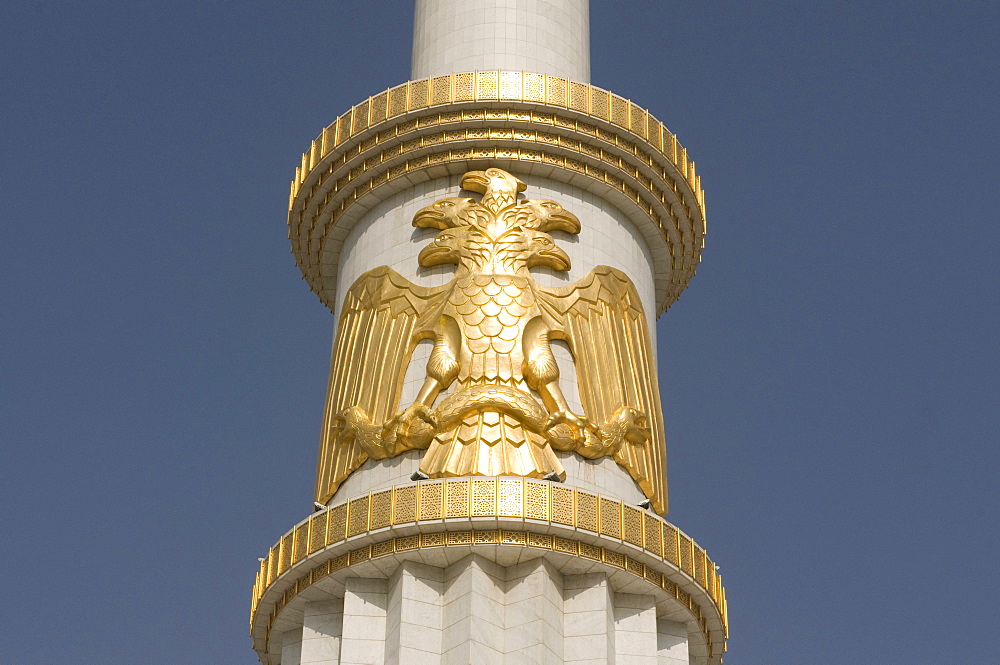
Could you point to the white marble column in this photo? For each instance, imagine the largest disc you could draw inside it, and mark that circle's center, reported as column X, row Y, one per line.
column 541, row 36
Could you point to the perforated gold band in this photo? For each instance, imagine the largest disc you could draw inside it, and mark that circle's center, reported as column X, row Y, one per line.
column 677, row 561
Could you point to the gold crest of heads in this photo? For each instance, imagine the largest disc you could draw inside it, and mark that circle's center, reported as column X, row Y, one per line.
column 493, row 326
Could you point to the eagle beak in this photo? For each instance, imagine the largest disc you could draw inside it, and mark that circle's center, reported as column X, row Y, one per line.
column 429, row 218
column 476, row 181
column 434, row 255
column 564, row 221
column 554, row 258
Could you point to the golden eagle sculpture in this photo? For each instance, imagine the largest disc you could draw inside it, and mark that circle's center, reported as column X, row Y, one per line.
column 492, row 325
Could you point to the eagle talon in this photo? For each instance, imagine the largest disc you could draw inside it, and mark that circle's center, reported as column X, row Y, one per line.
column 568, row 417
column 421, row 411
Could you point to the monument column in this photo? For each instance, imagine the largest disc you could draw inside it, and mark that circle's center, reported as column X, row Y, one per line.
column 495, row 239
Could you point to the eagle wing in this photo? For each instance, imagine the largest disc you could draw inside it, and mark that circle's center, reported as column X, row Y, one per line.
column 383, row 317
column 602, row 319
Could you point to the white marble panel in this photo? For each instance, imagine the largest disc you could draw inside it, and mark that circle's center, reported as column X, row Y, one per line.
column 473, row 624
column 415, row 614
column 365, row 604
column 635, row 629
column 671, row 643
column 589, row 621
column 322, row 626
column 533, row 629
column 291, row 647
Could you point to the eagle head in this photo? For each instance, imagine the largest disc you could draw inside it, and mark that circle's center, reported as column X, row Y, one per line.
column 546, row 215
column 447, row 213
column 542, row 251
column 499, row 188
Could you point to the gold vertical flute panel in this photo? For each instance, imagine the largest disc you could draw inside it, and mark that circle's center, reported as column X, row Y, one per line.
column 536, row 501
column 337, row 526
column 611, row 518
column 381, row 510
column 563, row 509
column 404, row 507
column 586, row 512
column 317, row 531
column 430, row 496
column 510, row 497
column 301, row 546
column 457, row 501
column 632, row 528
column 358, row 516
column 484, row 495
column 285, row 560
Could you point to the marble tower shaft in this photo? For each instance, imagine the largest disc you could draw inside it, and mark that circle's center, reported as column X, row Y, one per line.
column 495, row 238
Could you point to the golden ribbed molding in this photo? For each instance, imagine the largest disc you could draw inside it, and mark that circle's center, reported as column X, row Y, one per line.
column 568, row 131
column 468, row 513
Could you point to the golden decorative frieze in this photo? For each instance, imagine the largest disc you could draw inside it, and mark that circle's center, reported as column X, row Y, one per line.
column 694, row 582
column 492, row 325
column 540, row 120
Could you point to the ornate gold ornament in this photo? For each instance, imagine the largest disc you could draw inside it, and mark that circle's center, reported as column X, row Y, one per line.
column 491, row 326
column 538, row 515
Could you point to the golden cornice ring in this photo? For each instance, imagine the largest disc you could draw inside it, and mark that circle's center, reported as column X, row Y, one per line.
column 528, row 123
column 466, row 512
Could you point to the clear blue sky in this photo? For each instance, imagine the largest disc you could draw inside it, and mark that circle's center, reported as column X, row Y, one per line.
column 830, row 378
